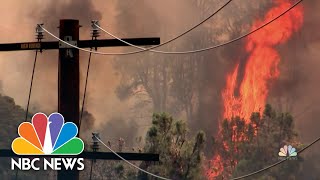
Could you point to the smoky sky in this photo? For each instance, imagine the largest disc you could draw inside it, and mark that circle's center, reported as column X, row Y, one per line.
column 298, row 83
column 50, row 14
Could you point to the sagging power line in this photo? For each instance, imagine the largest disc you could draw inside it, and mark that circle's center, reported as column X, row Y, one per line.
column 173, row 52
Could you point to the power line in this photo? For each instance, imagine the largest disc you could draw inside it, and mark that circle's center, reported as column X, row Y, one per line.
column 178, row 52
column 275, row 164
column 199, row 50
column 154, row 175
column 241, row 177
column 135, row 52
column 31, row 83
column 247, row 175
column 94, row 34
column 39, row 35
column 186, row 53
column 85, row 89
column 171, row 40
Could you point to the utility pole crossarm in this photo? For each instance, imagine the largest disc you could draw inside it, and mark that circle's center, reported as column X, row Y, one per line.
column 49, row 45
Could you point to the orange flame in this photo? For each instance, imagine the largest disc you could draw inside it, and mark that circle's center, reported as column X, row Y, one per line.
column 261, row 67
column 262, row 64
column 215, row 167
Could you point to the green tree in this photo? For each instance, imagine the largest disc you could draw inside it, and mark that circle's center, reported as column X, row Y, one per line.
column 181, row 157
column 11, row 115
column 249, row 146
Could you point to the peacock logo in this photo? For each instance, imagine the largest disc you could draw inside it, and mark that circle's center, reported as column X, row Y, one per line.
column 47, row 136
column 287, row 151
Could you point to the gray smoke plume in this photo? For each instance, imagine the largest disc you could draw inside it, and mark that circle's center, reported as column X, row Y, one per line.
column 213, row 64
column 298, row 87
column 50, row 15
column 44, row 92
column 53, row 11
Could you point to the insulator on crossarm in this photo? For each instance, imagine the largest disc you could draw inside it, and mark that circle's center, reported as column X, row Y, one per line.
column 95, row 146
column 95, row 32
column 39, row 32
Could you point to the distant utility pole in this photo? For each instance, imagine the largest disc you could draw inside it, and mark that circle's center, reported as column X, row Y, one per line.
column 68, row 80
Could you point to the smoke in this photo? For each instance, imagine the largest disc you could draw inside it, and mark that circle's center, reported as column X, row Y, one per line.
column 16, row 67
column 119, row 127
column 233, row 21
column 298, row 87
column 87, row 122
column 50, row 14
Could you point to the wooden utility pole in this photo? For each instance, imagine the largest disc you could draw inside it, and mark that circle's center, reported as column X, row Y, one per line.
column 68, row 83
column 69, row 73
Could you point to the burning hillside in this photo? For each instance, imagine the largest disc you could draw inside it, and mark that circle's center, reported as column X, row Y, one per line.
column 247, row 94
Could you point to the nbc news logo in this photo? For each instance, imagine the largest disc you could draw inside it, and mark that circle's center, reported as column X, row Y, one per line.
column 288, row 152
column 47, row 136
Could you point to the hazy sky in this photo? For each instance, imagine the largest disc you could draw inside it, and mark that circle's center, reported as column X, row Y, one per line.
column 19, row 19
